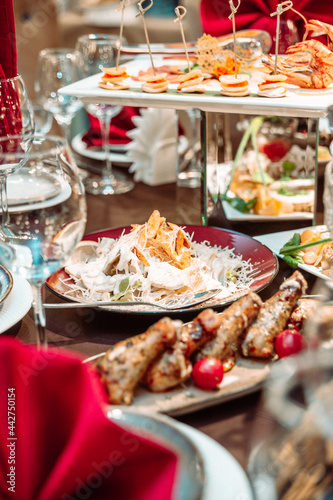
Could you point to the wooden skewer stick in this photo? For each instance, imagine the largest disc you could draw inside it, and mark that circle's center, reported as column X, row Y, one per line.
column 282, row 7
column 123, row 5
column 232, row 17
column 181, row 13
column 142, row 14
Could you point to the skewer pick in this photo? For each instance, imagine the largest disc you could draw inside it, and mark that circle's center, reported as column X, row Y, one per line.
column 232, row 17
column 142, row 14
column 282, row 7
column 181, row 13
column 123, row 5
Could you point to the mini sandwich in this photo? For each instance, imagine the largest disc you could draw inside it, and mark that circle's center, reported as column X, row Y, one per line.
column 155, row 84
column 273, row 86
column 113, row 78
column 234, row 86
column 300, row 193
column 190, row 82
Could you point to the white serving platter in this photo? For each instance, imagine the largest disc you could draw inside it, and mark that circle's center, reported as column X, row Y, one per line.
column 298, row 102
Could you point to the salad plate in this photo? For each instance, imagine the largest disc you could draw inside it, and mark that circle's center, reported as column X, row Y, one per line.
column 263, row 261
column 275, row 242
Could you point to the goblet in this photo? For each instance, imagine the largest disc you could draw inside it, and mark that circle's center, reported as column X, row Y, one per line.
column 17, row 117
column 46, row 225
column 98, row 51
column 57, row 68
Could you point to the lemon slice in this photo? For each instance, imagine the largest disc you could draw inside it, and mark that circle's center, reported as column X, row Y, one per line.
column 69, row 235
column 84, row 251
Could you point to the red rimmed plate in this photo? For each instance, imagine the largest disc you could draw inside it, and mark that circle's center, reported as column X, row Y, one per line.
column 264, row 263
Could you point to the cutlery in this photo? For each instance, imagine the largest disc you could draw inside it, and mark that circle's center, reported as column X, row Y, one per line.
column 199, row 298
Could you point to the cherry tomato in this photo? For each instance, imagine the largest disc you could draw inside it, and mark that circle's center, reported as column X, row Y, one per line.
column 288, row 342
column 208, row 373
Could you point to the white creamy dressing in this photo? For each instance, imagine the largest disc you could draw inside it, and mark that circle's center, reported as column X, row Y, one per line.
column 115, row 260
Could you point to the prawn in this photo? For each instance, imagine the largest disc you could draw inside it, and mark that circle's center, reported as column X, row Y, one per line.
column 309, row 63
column 320, row 64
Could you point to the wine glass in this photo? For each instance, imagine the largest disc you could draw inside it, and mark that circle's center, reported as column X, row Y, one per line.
column 17, row 117
column 98, row 51
column 57, row 68
column 50, row 220
column 43, row 119
column 289, row 458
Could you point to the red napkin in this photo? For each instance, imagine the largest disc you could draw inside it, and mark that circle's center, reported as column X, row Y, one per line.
column 255, row 14
column 56, row 442
column 10, row 121
column 8, row 52
column 119, row 127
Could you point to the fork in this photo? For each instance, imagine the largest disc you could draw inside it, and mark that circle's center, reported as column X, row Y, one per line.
column 199, row 298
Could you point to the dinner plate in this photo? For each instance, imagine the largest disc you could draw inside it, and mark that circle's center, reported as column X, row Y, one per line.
column 246, row 377
column 17, row 304
column 224, row 477
column 264, row 263
column 6, row 283
column 65, row 192
column 190, row 475
column 118, row 158
column 275, row 241
column 24, row 187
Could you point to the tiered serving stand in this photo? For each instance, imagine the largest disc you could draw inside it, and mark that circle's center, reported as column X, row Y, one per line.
column 299, row 103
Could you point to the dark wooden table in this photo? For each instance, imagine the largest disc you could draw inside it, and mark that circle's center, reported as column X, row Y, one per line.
column 90, row 332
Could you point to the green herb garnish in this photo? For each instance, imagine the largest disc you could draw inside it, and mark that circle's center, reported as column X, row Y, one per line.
column 240, row 204
column 291, row 250
column 194, row 66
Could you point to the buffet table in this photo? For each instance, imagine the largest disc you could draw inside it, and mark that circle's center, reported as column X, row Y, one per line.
column 89, row 331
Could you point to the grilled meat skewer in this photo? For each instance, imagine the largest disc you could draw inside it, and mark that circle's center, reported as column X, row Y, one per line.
column 123, row 365
column 174, row 365
column 273, row 318
column 234, row 320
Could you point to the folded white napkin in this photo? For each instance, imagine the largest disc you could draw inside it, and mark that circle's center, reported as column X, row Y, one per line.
column 153, row 150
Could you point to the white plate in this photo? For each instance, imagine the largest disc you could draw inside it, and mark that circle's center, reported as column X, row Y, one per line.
column 235, row 215
column 65, row 192
column 224, row 477
column 246, row 376
column 297, row 103
column 275, row 241
column 24, row 187
column 17, row 304
column 81, row 148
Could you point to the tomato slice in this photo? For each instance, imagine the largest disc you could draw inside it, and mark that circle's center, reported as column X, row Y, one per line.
column 235, row 85
column 122, row 75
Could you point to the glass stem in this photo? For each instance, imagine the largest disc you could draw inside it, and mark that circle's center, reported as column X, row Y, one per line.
column 39, row 315
column 4, row 200
column 105, row 122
